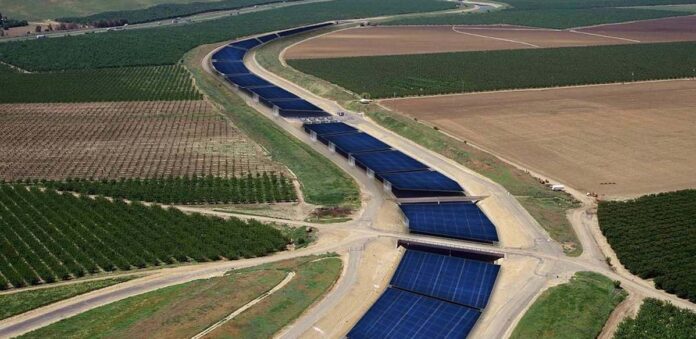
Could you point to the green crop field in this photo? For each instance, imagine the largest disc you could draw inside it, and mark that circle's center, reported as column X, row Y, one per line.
column 166, row 45
column 165, row 11
column 577, row 309
column 20, row 302
column 548, row 18
column 407, row 75
column 655, row 238
column 658, row 319
column 112, row 84
column 48, row 236
column 195, row 190
column 51, row 9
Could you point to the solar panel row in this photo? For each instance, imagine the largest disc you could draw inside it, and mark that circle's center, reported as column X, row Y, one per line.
column 462, row 220
column 457, row 280
column 402, row 314
column 230, row 67
column 330, row 128
column 229, row 54
column 229, row 62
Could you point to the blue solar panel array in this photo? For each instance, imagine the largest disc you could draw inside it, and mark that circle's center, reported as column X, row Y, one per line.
column 401, row 314
column 229, row 54
column 230, row 67
column 248, row 80
column 423, row 181
column 431, row 295
column 458, row 280
column 228, row 61
column 462, row 220
column 246, row 44
column 388, row 162
column 266, row 38
column 274, row 93
column 331, row 128
column 356, row 143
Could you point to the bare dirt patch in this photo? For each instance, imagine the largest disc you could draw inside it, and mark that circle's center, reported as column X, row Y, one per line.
column 659, row 30
column 366, row 41
column 123, row 140
column 617, row 140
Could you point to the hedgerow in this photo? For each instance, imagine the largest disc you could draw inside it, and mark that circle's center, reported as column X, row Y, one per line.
column 46, row 236
column 655, row 238
column 166, row 45
column 424, row 74
column 165, row 11
column 658, row 319
column 266, row 187
column 113, row 84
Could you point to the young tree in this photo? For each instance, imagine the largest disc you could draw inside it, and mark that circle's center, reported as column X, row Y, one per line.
column 38, row 29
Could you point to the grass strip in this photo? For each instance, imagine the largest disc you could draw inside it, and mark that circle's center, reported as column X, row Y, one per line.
column 184, row 310
column 577, row 309
column 20, row 302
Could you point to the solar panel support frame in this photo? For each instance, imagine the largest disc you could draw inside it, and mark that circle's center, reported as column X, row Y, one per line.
column 387, row 186
column 370, row 173
column 332, row 147
column 313, row 136
column 351, row 161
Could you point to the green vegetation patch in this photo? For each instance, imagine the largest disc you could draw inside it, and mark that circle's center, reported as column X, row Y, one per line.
column 47, row 236
column 185, row 310
column 313, row 280
column 658, row 319
column 654, row 237
column 113, row 84
column 186, row 190
column 163, row 11
column 425, row 74
column 20, row 302
column 323, row 182
column 548, row 18
column 166, row 45
column 577, row 309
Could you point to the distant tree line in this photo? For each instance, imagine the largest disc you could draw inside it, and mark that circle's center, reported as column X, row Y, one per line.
column 8, row 23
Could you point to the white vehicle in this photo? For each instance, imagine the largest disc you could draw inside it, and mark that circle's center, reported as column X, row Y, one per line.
column 557, row 188
column 365, row 101
column 41, row 36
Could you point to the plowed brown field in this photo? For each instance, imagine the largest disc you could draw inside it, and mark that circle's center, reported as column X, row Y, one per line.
column 681, row 28
column 395, row 40
column 123, row 140
column 616, row 140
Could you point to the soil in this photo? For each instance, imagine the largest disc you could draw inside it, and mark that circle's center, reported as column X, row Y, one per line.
column 681, row 28
column 619, row 140
column 367, row 41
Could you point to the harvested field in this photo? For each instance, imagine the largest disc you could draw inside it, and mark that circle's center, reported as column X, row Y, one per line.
column 123, row 140
column 681, row 28
column 616, row 140
column 396, row 40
